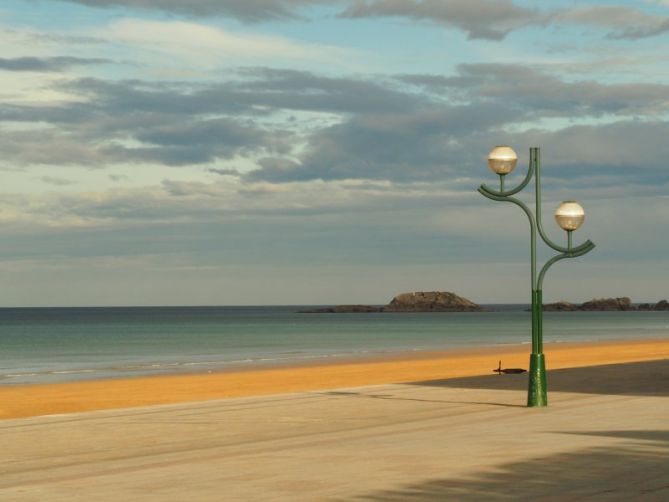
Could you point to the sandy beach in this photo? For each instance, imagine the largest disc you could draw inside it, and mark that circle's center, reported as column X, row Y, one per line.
column 36, row 400
column 605, row 434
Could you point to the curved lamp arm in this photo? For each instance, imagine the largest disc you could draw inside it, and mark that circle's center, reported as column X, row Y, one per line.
column 493, row 195
column 535, row 165
column 534, row 169
column 589, row 246
column 506, row 193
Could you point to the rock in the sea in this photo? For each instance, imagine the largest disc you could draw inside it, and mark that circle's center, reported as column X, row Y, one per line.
column 661, row 305
column 433, row 301
column 343, row 309
column 561, row 306
column 607, row 304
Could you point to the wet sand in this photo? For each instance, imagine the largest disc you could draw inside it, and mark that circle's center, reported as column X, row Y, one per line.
column 36, row 400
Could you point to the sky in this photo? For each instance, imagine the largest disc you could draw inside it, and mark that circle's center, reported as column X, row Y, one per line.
column 285, row 152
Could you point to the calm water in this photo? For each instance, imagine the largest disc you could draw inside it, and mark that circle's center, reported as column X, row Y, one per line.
column 40, row 345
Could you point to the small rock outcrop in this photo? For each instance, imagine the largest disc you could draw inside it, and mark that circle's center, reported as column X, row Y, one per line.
column 661, row 305
column 607, row 304
column 343, row 309
column 561, row 306
column 433, row 301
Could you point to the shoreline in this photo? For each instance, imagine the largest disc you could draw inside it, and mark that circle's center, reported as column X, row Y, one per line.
column 29, row 400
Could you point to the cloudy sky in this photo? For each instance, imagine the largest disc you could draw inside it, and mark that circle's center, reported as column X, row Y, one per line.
column 236, row 152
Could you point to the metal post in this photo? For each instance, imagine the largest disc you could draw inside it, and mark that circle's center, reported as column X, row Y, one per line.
column 536, row 395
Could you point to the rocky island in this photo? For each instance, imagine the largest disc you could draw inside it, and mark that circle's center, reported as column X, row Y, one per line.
column 433, row 301
column 605, row 305
column 420, row 301
column 661, row 305
column 441, row 301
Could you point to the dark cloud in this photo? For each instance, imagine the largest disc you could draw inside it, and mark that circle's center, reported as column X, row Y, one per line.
column 193, row 142
column 480, row 19
column 421, row 145
column 245, row 10
column 486, row 19
column 259, row 92
column 441, row 141
column 224, row 172
column 298, row 90
column 544, row 94
column 177, row 125
column 629, row 148
column 52, row 64
column 408, row 128
column 50, row 147
column 621, row 22
column 628, row 154
column 209, row 141
column 494, row 20
column 234, row 138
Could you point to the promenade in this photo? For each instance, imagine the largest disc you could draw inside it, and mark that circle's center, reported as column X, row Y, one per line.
column 604, row 436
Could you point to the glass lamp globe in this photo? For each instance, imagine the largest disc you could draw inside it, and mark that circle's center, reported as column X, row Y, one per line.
column 502, row 160
column 570, row 215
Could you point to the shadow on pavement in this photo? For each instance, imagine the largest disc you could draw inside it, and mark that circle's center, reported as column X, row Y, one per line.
column 394, row 397
column 635, row 469
column 649, row 378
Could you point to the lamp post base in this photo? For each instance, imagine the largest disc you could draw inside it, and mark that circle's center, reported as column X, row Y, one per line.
column 537, row 396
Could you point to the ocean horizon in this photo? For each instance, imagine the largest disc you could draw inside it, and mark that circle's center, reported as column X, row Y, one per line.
column 62, row 344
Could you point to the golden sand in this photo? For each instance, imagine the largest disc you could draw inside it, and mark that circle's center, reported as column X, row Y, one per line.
column 33, row 400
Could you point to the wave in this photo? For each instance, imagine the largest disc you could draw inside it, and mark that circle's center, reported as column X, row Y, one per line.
column 161, row 367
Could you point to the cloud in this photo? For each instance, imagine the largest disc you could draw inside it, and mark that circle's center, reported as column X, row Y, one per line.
column 178, row 201
column 483, row 19
column 55, row 180
column 47, row 64
column 198, row 44
column 444, row 140
column 543, row 94
column 385, row 129
column 136, row 121
column 417, row 145
column 630, row 149
column 224, row 172
column 49, row 147
column 494, row 20
column 204, row 140
column 192, row 142
column 244, row 10
column 627, row 155
column 299, row 90
column 250, row 91
column 310, row 223
column 623, row 22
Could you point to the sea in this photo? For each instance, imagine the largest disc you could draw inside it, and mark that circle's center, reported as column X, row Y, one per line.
column 51, row 345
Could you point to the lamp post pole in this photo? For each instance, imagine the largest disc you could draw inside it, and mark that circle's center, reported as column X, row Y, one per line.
column 570, row 215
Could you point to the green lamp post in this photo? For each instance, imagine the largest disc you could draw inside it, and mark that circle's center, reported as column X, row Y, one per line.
column 569, row 216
